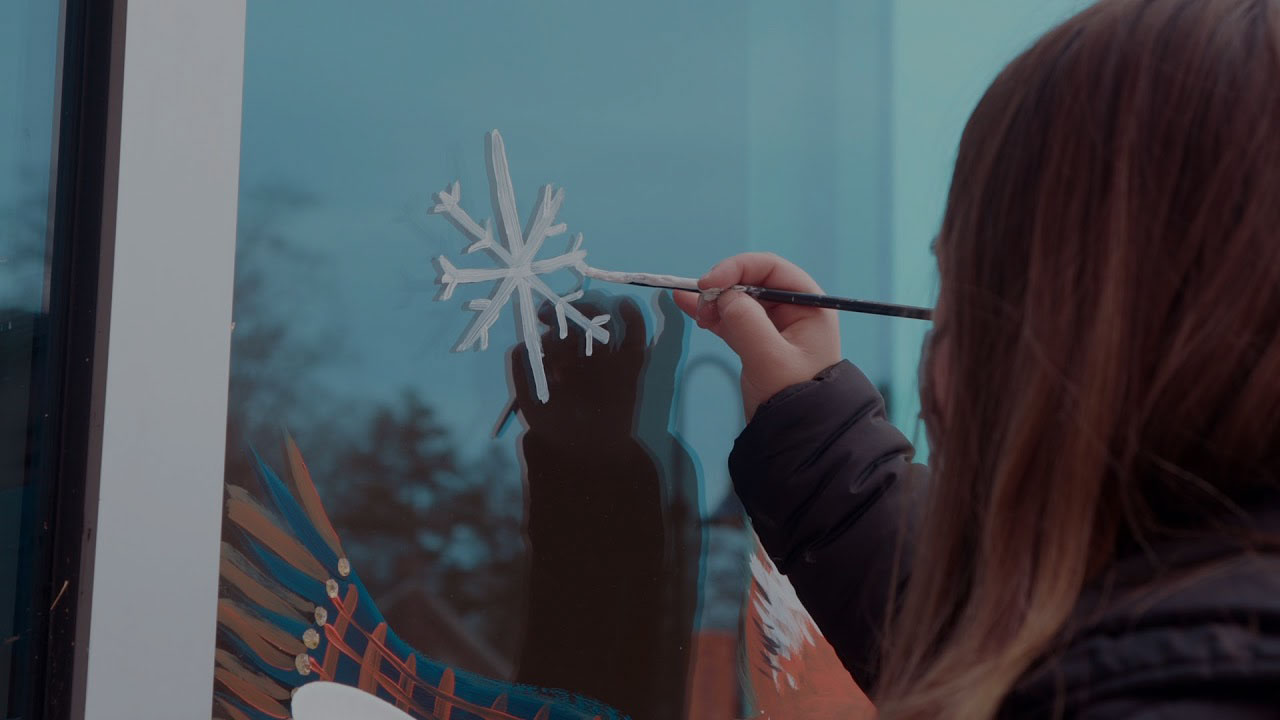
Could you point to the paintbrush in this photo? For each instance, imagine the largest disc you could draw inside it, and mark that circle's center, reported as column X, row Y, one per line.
column 674, row 282
column 763, row 294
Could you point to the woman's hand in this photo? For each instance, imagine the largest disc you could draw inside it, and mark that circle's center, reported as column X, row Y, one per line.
column 780, row 345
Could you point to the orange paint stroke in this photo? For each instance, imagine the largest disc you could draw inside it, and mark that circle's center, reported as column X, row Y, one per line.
column 235, row 569
column 248, row 692
column 264, row 683
column 448, row 683
column 457, row 702
column 233, row 712
column 242, row 628
column 390, row 656
column 244, row 511
column 239, row 619
column 398, row 694
column 370, row 664
column 339, row 627
column 315, row 668
column 309, row 497
column 377, row 679
column 397, row 691
column 406, row 682
column 339, row 646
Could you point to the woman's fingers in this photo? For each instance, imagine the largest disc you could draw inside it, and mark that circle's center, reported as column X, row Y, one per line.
column 706, row 313
column 746, row 328
column 760, row 269
column 764, row 269
column 687, row 302
column 780, row 345
column 743, row 323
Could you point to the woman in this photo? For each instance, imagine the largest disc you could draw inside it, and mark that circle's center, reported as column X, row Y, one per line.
column 1099, row 536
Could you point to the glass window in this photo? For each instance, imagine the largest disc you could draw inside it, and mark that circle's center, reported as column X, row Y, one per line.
column 28, row 72
column 588, row 544
column 524, row 525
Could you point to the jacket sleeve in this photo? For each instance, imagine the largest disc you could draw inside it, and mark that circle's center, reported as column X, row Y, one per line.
column 833, row 495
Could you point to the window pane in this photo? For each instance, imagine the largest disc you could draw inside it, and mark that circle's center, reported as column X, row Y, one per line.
column 28, row 62
column 585, row 555
column 589, row 546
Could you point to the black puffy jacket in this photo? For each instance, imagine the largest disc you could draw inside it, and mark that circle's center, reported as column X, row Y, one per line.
column 1192, row 632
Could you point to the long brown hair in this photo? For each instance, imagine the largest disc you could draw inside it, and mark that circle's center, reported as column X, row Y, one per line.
column 1109, row 320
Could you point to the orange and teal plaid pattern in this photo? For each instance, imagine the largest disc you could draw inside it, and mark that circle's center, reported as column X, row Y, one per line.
column 292, row 610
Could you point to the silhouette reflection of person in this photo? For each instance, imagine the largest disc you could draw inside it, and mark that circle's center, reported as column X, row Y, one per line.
column 613, row 562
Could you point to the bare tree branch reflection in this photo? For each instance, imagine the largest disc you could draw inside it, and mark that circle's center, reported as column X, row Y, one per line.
column 436, row 536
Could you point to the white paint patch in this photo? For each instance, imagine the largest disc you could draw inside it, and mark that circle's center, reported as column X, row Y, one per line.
column 322, row 700
column 783, row 619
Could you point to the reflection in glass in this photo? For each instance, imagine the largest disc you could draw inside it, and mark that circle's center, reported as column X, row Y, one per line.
column 28, row 58
column 579, row 557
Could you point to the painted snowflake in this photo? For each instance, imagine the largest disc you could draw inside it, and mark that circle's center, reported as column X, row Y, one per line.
column 518, row 272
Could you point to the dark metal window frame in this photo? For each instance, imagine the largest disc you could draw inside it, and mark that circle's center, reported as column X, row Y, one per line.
column 66, row 409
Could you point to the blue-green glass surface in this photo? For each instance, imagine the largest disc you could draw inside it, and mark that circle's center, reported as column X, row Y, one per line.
column 682, row 133
column 28, row 64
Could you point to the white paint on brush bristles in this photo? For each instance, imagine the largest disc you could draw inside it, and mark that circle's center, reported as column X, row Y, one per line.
column 670, row 282
column 674, row 282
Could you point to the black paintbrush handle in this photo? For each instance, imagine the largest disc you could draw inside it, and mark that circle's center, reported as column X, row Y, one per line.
column 790, row 298
column 837, row 303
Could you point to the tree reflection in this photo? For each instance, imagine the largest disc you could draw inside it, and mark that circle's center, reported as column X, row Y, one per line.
column 436, row 536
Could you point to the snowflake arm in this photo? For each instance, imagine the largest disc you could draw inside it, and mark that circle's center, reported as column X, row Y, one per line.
column 451, row 277
column 481, row 237
column 541, row 228
column 533, row 342
column 489, row 309
column 504, row 194
column 560, row 312
column 594, row 326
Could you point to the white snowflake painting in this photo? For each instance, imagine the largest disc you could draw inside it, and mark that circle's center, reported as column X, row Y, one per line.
column 516, row 271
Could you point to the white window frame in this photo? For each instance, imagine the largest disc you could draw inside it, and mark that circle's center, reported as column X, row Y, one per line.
column 153, row 536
